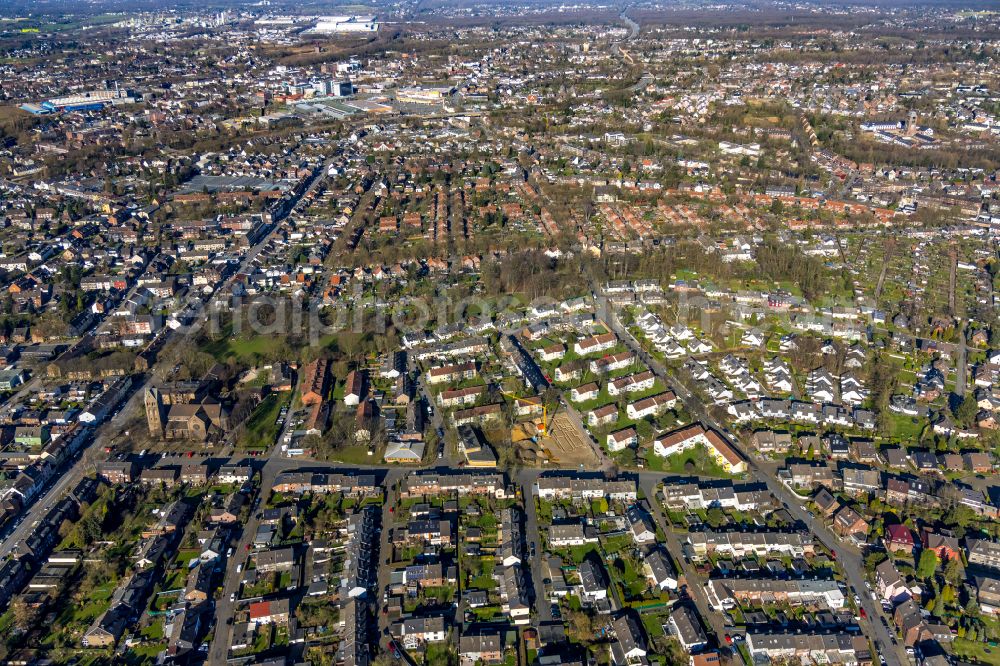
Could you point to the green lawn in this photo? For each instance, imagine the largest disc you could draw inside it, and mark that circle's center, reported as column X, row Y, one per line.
column 440, row 654
column 99, row 600
column 702, row 463
column 975, row 651
column 354, row 455
column 261, row 429
column 144, row 654
column 176, row 580
column 579, row 553
column 262, row 641
column 903, row 427
column 185, row 555
column 284, row 580
column 153, row 631
column 653, row 624
column 617, row 543
column 439, row 595
column 633, row 581
column 245, row 350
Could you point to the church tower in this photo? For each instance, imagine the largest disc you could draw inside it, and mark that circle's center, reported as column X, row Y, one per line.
column 154, row 412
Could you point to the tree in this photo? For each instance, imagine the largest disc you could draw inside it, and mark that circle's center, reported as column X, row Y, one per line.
column 965, row 412
column 25, row 615
column 581, row 627
column 953, row 571
column 927, row 564
column 715, row 517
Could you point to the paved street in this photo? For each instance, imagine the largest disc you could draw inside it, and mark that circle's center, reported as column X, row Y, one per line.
column 695, row 590
column 850, row 558
column 78, row 468
column 391, row 485
column 526, row 480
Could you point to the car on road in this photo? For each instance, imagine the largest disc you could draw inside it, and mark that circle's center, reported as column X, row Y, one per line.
column 396, row 652
column 864, row 615
column 232, row 597
column 239, row 568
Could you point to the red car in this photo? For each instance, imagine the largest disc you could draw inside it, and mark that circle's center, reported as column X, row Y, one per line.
column 833, row 554
column 863, row 614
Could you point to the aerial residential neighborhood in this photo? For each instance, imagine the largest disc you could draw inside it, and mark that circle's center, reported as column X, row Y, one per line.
column 463, row 333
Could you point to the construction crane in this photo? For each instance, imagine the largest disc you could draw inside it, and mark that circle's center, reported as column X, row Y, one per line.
column 543, row 430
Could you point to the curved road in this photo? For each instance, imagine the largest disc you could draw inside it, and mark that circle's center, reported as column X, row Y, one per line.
column 850, row 558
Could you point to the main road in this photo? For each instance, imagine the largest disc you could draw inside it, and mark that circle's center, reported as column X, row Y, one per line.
column 109, row 430
column 76, row 470
column 850, row 558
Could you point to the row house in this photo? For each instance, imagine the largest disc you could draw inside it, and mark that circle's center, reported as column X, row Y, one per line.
column 357, row 485
column 654, row 405
column 433, row 532
column 843, row 649
column 602, row 416
column 429, row 484
column 728, row 593
column 620, row 440
column 740, row 544
column 595, row 344
column 743, row 497
column 451, row 373
column 612, row 363
column 584, row 393
column 460, row 397
column 549, row 487
column 642, row 381
column 571, row 534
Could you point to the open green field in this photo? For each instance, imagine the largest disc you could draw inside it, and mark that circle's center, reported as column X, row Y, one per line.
column 903, row 427
column 976, row 652
column 701, row 463
column 245, row 350
column 354, row 455
column 262, row 429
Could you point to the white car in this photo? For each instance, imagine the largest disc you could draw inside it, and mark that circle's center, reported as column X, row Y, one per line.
column 239, row 568
column 232, row 597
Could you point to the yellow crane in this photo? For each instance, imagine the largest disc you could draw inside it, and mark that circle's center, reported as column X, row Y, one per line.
column 543, row 430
